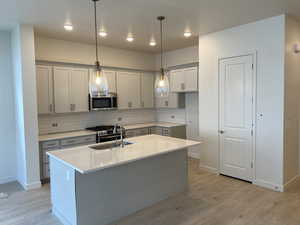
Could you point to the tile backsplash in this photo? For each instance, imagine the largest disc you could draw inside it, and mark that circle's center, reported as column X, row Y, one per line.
column 71, row 122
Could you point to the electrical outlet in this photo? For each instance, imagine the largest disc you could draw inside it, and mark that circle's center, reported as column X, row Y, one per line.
column 119, row 118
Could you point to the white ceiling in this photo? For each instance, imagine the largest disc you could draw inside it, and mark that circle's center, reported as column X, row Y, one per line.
column 119, row 17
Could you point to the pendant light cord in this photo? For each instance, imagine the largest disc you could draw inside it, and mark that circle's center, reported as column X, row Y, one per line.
column 96, row 35
column 161, row 45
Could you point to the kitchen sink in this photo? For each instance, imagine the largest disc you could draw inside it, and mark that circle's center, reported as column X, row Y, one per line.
column 109, row 146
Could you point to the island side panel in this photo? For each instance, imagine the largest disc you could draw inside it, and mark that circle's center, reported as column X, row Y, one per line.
column 110, row 194
column 63, row 192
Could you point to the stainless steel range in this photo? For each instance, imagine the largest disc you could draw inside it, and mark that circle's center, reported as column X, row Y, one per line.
column 107, row 133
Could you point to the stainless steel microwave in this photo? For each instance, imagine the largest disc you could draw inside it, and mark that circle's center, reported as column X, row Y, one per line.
column 106, row 102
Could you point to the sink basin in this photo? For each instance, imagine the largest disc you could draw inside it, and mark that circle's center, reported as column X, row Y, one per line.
column 109, row 146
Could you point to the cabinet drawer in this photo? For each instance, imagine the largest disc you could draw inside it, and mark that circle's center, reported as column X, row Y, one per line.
column 88, row 139
column 143, row 131
column 46, row 171
column 71, row 141
column 50, row 144
column 130, row 133
column 166, row 132
column 156, row 130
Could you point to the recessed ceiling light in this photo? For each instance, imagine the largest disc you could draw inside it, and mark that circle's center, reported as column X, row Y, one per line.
column 187, row 34
column 102, row 33
column 152, row 43
column 130, row 39
column 68, row 27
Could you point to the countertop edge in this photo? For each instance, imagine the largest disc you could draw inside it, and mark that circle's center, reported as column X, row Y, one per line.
column 131, row 127
column 121, row 163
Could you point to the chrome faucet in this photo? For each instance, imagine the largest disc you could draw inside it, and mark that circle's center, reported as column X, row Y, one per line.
column 121, row 133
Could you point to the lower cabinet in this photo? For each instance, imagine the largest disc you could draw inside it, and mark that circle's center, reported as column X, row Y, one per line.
column 53, row 145
column 178, row 131
column 137, row 132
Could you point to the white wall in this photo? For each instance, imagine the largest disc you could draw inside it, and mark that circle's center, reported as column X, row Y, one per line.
column 79, row 121
column 72, row 52
column 292, row 87
column 267, row 37
column 188, row 115
column 178, row 57
column 25, row 106
column 8, row 171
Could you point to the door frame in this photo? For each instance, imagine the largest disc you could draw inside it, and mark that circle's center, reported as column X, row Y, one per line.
column 254, row 91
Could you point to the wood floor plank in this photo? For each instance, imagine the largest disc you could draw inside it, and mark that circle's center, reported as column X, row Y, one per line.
column 210, row 200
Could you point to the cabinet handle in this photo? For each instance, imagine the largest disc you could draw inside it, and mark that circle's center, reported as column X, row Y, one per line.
column 72, row 107
column 51, row 108
column 166, row 103
column 182, row 86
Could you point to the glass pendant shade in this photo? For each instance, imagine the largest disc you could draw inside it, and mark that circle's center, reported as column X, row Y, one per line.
column 162, row 81
column 162, row 86
column 98, row 82
column 101, row 83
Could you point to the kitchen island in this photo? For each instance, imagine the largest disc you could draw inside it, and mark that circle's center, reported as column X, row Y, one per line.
column 97, row 187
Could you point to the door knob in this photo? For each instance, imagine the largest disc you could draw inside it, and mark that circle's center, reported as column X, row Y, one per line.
column 221, row 131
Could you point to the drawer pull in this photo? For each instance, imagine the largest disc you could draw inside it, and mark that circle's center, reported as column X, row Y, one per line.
column 50, row 145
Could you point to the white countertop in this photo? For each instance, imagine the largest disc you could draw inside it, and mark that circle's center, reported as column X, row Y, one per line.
column 86, row 160
column 49, row 137
column 55, row 136
column 154, row 124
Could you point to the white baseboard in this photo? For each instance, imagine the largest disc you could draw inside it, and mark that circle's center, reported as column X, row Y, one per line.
column 290, row 182
column 269, row 185
column 60, row 217
column 194, row 155
column 209, row 169
column 4, row 180
column 34, row 185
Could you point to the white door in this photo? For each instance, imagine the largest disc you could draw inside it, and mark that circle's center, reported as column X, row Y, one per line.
column 61, row 89
column 147, row 90
column 236, row 116
column 44, row 89
column 79, row 92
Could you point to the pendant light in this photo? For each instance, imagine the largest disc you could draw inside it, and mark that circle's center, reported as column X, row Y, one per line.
column 100, row 79
column 162, row 81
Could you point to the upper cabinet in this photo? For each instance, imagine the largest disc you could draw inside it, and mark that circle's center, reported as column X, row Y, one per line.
column 66, row 89
column 147, row 90
column 44, row 80
column 184, row 80
column 111, row 79
column 173, row 101
column 129, row 90
column 71, row 89
column 79, row 90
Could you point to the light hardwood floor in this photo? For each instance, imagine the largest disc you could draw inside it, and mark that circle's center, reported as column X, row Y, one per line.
column 210, row 200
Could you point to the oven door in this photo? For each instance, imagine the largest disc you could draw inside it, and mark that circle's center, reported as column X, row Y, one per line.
column 103, row 103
